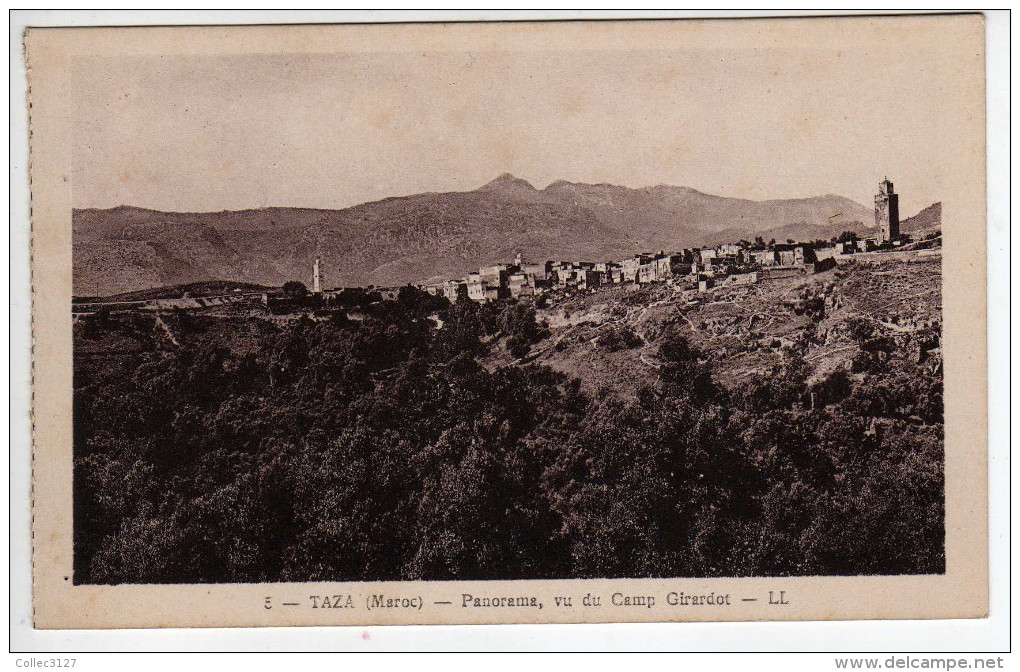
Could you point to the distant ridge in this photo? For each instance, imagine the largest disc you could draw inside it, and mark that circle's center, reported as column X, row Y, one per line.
column 194, row 289
column 428, row 236
column 507, row 182
column 927, row 220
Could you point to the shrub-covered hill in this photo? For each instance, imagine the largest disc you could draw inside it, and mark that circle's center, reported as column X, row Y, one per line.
column 398, row 445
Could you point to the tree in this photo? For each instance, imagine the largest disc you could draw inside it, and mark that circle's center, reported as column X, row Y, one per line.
column 860, row 329
column 418, row 303
column 682, row 373
column 621, row 337
column 293, row 289
column 462, row 331
column 834, row 388
column 517, row 321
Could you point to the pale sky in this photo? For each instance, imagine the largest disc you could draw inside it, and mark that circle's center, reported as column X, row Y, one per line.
column 209, row 133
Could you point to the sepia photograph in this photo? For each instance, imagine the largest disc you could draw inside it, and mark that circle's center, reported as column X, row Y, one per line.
column 428, row 305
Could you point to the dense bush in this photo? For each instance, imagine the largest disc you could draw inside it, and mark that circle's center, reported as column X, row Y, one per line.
column 381, row 449
column 621, row 337
column 294, row 289
column 517, row 322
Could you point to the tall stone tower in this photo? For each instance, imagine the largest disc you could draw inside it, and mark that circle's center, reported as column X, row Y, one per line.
column 887, row 212
column 316, row 278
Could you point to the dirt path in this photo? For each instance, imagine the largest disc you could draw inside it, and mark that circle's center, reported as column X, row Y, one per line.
column 166, row 329
column 824, row 353
column 896, row 327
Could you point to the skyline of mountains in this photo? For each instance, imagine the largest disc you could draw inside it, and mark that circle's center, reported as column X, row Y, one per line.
column 430, row 236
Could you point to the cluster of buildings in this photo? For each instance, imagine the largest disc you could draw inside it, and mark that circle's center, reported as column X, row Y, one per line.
column 722, row 265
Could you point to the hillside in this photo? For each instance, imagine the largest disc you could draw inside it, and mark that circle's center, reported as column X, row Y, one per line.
column 425, row 236
column 743, row 330
column 925, row 221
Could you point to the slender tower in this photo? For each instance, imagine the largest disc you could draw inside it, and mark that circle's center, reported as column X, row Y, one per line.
column 887, row 212
column 316, row 278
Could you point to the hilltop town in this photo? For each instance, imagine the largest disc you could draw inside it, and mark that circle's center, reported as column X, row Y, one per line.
column 432, row 237
column 743, row 262
column 738, row 263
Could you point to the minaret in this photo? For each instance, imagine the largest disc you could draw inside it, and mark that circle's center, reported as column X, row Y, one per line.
column 887, row 212
column 316, row 278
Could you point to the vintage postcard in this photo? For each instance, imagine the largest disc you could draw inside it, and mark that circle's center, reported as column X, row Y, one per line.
column 509, row 322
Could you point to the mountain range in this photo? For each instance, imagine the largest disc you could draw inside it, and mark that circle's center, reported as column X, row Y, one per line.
column 430, row 236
